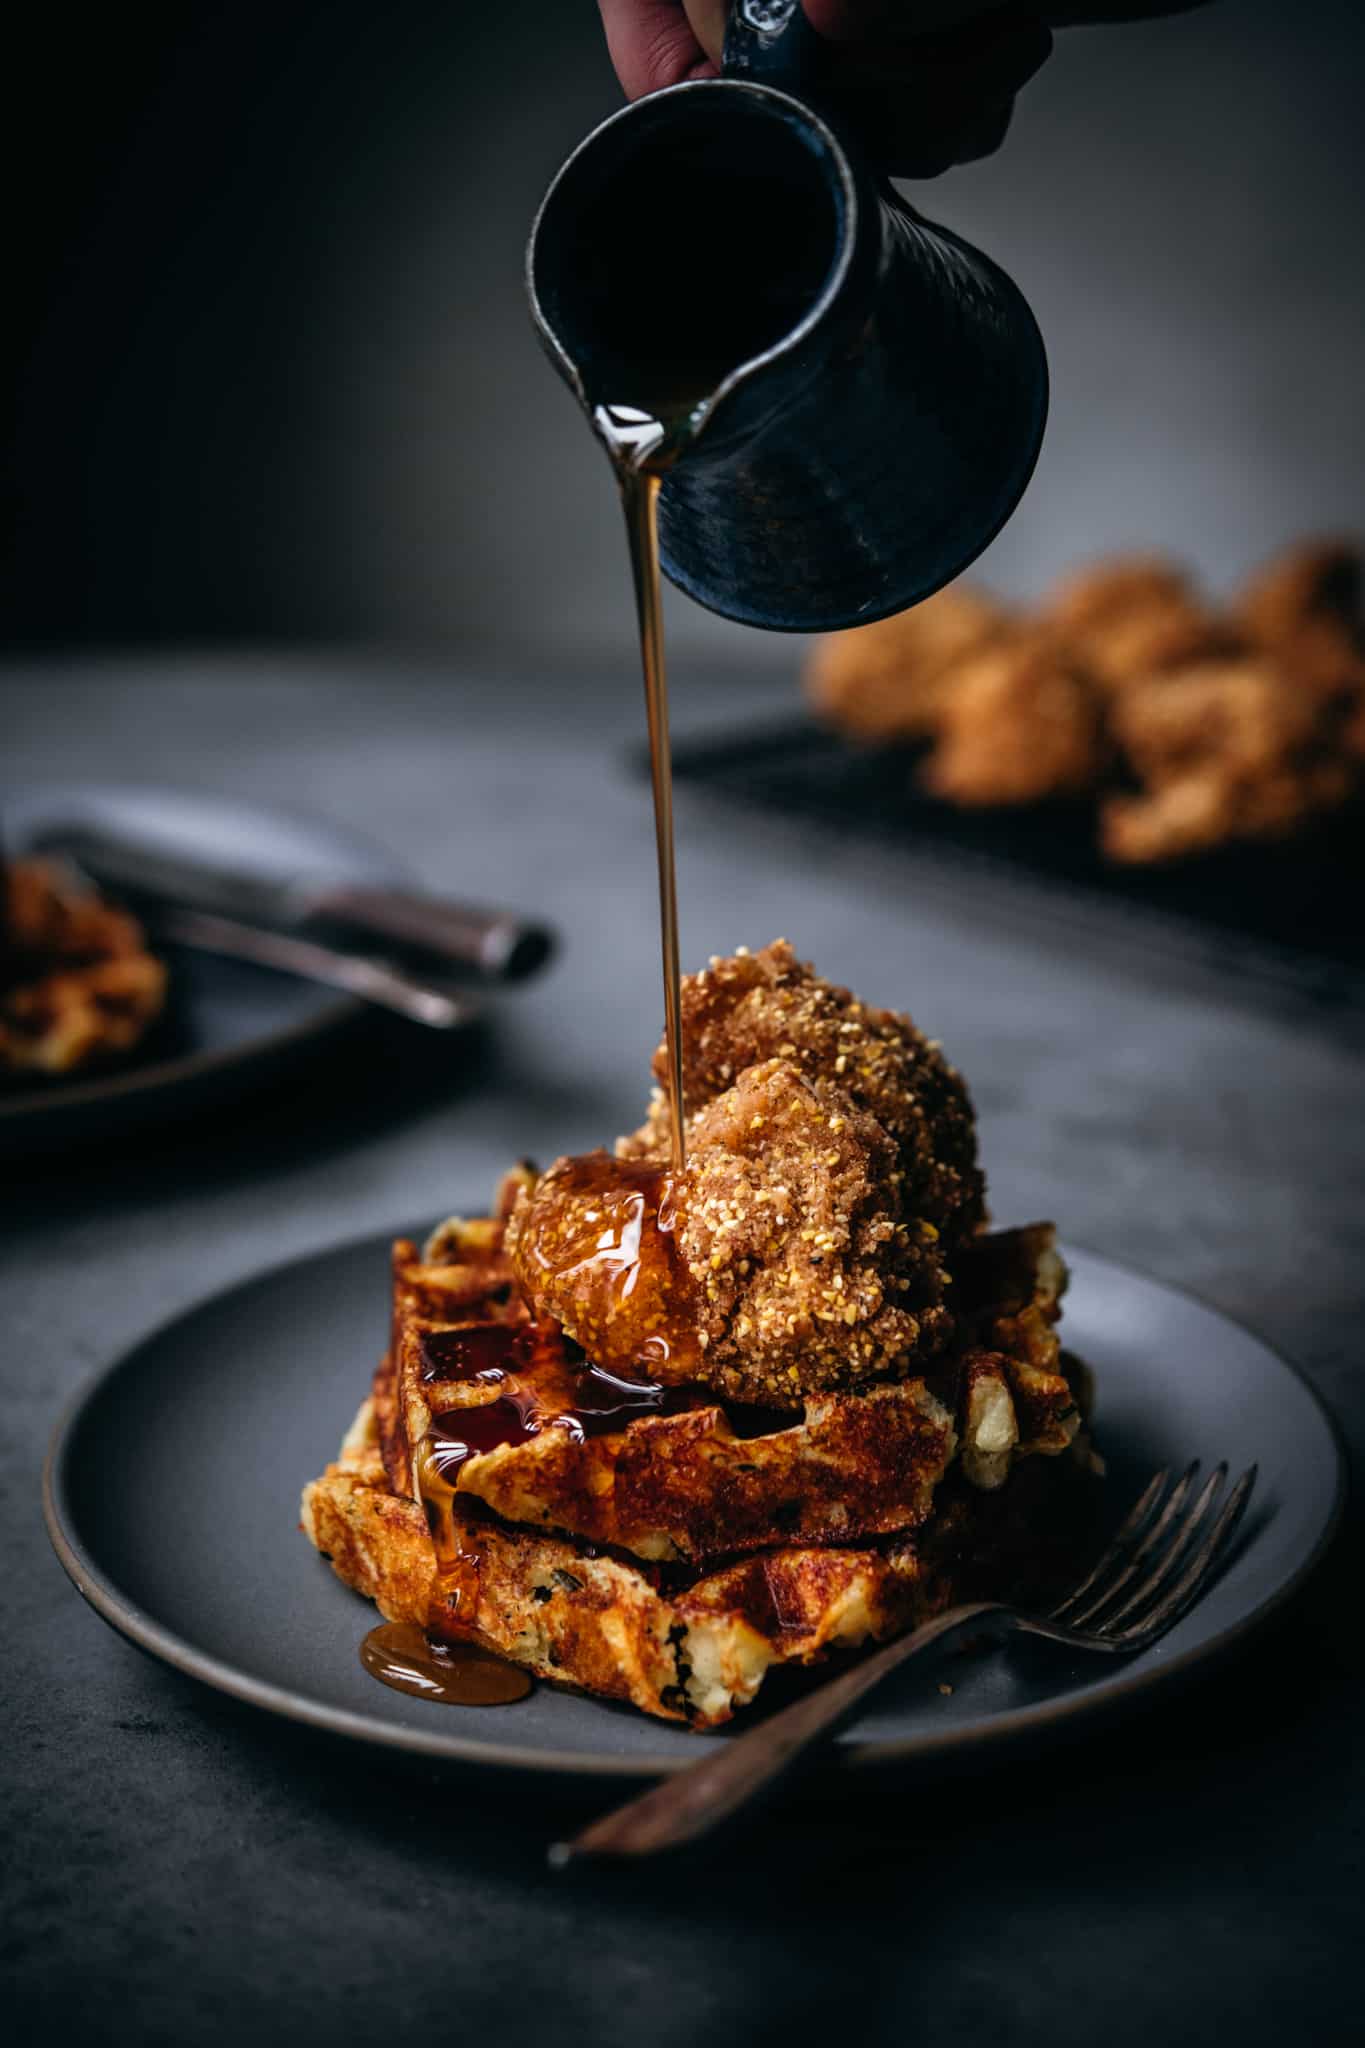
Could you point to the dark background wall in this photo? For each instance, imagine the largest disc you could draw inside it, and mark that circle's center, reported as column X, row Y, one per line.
column 274, row 376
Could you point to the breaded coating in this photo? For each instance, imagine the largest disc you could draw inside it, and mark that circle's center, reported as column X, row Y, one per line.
column 811, row 1269
column 1022, row 722
column 1154, row 642
column 1316, row 582
column 1133, row 617
column 1307, row 607
column 1119, row 586
column 888, row 681
column 831, row 1172
column 752, row 1007
column 1224, row 752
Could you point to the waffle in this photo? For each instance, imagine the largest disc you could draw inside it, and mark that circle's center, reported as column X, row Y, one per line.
column 78, row 987
column 692, row 1651
column 582, row 1453
column 671, row 1557
column 685, row 1648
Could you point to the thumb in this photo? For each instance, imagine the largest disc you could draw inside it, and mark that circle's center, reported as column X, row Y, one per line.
column 707, row 18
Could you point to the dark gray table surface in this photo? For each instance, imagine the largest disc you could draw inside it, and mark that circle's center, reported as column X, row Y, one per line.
column 183, row 1870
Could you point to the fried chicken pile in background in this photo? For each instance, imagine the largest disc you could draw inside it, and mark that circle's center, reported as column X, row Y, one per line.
column 78, row 987
column 1194, row 727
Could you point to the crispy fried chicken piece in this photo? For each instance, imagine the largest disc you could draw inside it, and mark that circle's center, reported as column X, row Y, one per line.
column 1132, row 617
column 1318, row 581
column 1306, row 606
column 1116, row 587
column 814, row 1270
column 752, row 1007
column 888, row 681
column 1022, row 722
column 831, row 1172
column 785, row 1266
column 1226, row 751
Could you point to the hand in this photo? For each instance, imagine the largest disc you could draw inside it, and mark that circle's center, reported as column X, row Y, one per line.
column 928, row 83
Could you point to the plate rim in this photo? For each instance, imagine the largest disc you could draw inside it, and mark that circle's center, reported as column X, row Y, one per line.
column 24, row 1109
column 169, row 1073
column 1014, row 1724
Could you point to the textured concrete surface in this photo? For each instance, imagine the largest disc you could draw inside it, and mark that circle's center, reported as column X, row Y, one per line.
column 183, row 1870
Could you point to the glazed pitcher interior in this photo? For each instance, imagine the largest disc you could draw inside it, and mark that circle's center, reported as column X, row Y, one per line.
column 694, row 247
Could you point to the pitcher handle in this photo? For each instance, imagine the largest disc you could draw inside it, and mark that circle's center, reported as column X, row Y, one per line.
column 770, row 42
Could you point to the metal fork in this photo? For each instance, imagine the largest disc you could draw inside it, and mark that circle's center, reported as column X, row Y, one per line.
column 1154, row 1571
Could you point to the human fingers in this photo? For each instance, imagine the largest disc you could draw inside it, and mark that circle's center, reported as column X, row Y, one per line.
column 708, row 19
column 652, row 44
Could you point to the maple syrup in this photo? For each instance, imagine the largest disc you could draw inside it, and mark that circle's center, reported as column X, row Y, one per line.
column 640, row 495
column 606, row 1404
column 464, row 1433
column 402, row 1655
column 478, row 1351
column 602, row 1402
column 606, row 1231
column 644, row 443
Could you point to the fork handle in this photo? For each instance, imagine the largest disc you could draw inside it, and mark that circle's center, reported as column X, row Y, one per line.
column 695, row 1799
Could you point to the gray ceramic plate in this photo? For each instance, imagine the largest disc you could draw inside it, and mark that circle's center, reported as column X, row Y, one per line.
column 201, row 1438
column 229, row 1025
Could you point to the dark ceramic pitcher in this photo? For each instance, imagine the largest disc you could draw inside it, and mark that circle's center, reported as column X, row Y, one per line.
column 864, row 393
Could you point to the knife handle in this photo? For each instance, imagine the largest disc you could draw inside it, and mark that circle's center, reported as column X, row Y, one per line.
column 492, row 944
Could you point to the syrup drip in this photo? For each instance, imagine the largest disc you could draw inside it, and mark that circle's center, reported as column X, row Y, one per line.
column 465, row 1433
column 484, row 1355
column 606, row 1404
column 400, row 1654
column 454, row 1597
column 480, row 1351
column 640, row 498
column 644, row 442
column 603, row 1233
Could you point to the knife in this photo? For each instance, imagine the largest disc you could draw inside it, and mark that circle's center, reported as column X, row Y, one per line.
column 353, row 917
column 374, row 981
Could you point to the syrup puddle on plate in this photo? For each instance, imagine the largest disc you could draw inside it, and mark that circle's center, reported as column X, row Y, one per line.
column 402, row 1655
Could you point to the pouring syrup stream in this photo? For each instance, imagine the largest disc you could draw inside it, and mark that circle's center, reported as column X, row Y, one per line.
column 643, row 446
column 640, row 496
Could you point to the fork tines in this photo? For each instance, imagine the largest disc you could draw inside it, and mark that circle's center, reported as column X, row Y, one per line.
column 1160, row 1560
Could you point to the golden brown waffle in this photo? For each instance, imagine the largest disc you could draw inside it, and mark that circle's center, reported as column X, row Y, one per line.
column 605, row 1623
column 77, row 984
column 685, row 1647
